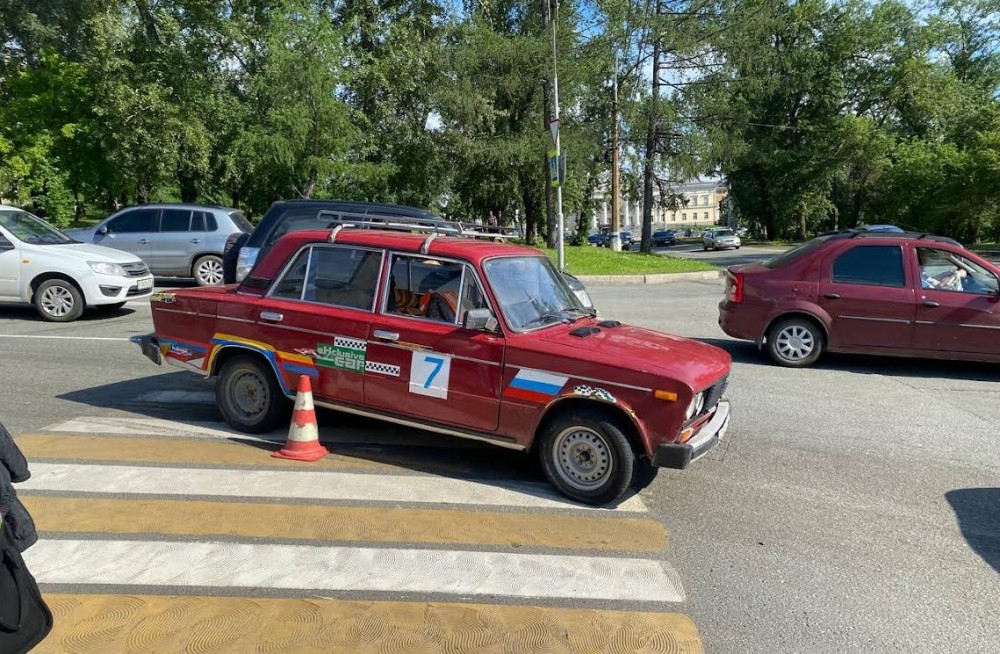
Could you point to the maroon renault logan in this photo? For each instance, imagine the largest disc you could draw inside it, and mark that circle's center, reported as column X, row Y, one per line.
column 867, row 292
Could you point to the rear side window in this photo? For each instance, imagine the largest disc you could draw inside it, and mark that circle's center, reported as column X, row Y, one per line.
column 175, row 220
column 139, row 220
column 337, row 276
column 198, row 221
column 875, row 265
column 211, row 225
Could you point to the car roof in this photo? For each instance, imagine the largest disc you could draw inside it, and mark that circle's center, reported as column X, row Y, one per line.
column 470, row 249
column 177, row 205
column 349, row 204
column 891, row 236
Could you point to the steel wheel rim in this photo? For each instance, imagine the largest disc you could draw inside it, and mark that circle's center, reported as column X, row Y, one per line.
column 210, row 272
column 57, row 301
column 582, row 458
column 249, row 396
column 795, row 343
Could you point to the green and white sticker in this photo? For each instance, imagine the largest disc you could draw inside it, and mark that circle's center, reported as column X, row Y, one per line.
column 344, row 353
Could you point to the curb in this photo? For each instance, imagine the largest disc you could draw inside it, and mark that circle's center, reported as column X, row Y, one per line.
column 661, row 278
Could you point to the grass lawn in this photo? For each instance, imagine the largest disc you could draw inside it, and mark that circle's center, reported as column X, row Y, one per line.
column 589, row 260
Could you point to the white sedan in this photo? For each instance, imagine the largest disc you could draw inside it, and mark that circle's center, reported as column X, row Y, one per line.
column 42, row 266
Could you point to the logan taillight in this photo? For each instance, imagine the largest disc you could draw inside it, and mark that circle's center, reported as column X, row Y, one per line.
column 735, row 287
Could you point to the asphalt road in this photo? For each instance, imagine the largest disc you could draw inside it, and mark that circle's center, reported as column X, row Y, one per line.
column 746, row 254
column 854, row 507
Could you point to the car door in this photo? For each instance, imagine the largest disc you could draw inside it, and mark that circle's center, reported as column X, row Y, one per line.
column 170, row 246
column 131, row 231
column 956, row 314
column 316, row 317
column 869, row 295
column 10, row 266
column 421, row 363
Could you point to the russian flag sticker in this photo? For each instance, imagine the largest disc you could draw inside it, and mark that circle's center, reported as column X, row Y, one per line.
column 535, row 386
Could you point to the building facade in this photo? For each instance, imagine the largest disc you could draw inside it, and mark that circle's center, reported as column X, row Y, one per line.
column 700, row 205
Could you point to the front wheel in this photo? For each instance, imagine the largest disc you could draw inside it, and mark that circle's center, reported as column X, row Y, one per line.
column 249, row 396
column 208, row 270
column 58, row 300
column 795, row 342
column 586, row 455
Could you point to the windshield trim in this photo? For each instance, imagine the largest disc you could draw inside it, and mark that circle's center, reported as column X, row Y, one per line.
column 503, row 314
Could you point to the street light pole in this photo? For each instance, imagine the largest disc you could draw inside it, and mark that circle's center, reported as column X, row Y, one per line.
column 554, row 11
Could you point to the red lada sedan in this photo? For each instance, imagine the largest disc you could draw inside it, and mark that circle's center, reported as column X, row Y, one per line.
column 455, row 335
column 867, row 292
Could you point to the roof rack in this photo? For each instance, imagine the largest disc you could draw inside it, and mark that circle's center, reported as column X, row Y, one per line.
column 852, row 233
column 438, row 227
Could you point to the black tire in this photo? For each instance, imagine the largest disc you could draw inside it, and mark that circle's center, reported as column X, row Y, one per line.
column 207, row 270
column 58, row 300
column 795, row 342
column 249, row 396
column 603, row 464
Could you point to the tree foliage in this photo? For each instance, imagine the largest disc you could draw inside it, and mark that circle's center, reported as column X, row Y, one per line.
column 819, row 114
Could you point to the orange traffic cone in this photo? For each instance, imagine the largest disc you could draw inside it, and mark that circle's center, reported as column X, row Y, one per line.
column 303, row 433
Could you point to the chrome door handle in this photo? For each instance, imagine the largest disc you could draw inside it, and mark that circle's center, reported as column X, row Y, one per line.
column 383, row 335
column 931, row 303
column 143, row 241
column 196, row 240
column 832, row 296
column 271, row 316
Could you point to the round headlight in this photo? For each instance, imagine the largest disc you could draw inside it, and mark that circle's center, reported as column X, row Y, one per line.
column 695, row 407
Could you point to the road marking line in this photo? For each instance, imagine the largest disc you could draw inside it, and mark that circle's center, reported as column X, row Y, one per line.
column 303, row 567
column 300, row 484
column 178, row 397
column 66, row 338
column 200, row 519
column 144, row 623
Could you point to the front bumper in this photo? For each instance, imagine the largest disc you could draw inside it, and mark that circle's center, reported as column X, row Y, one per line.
column 150, row 347
column 680, row 455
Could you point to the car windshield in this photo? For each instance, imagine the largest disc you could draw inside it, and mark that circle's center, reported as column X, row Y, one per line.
column 794, row 253
column 30, row 229
column 531, row 293
column 241, row 221
column 724, row 232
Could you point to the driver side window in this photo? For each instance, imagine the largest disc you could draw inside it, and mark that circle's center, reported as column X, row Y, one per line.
column 944, row 270
column 133, row 222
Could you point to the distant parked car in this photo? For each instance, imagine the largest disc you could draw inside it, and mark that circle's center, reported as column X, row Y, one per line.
column 720, row 239
column 870, row 293
column 626, row 238
column 175, row 240
column 42, row 266
column 881, row 228
column 597, row 239
column 666, row 237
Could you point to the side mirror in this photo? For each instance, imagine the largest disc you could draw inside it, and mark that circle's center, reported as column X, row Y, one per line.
column 481, row 320
column 102, row 230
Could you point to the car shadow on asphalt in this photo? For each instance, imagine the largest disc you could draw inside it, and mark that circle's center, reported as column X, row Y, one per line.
column 30, row 314
column 344, row 434
column 747, row 352
column 978, row 514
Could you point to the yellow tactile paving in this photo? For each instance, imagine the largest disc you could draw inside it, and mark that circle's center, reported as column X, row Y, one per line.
column 340, row 523
column 39, row 447
column 106, row 624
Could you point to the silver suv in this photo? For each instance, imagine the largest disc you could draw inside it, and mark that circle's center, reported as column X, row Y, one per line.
column 720, row 238
column 175, row 240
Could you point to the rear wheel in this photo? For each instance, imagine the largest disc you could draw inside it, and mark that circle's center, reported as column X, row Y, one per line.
column 249, row 396
column 207, row 270
column 58, row 300
column 586, row 455
column 795, row 342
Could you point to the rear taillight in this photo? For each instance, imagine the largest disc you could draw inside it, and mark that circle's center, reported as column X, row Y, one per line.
column 735, row 287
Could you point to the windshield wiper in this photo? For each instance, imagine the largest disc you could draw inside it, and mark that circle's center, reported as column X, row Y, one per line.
column 549, row 318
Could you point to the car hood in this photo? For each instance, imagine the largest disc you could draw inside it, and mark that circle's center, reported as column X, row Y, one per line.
column 89, row 252
column 631, row 349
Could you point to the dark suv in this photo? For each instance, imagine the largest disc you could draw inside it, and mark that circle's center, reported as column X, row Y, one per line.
column 285, row 216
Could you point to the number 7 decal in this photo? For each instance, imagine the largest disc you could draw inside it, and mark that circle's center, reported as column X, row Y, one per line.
column 430, row 374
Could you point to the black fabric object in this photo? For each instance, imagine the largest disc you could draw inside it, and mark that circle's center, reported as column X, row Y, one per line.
column 13, row 469
column 25, row 619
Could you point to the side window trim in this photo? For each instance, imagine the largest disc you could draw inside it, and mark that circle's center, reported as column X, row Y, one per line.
column 383, row 305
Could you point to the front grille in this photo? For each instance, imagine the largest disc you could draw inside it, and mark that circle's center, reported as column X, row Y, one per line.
column 138, row 269
column 714, row 394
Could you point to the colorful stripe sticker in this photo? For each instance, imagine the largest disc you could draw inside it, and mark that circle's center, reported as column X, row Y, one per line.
column 535, row 386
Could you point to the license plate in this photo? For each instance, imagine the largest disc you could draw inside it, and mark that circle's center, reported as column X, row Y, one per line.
column 145, row 284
